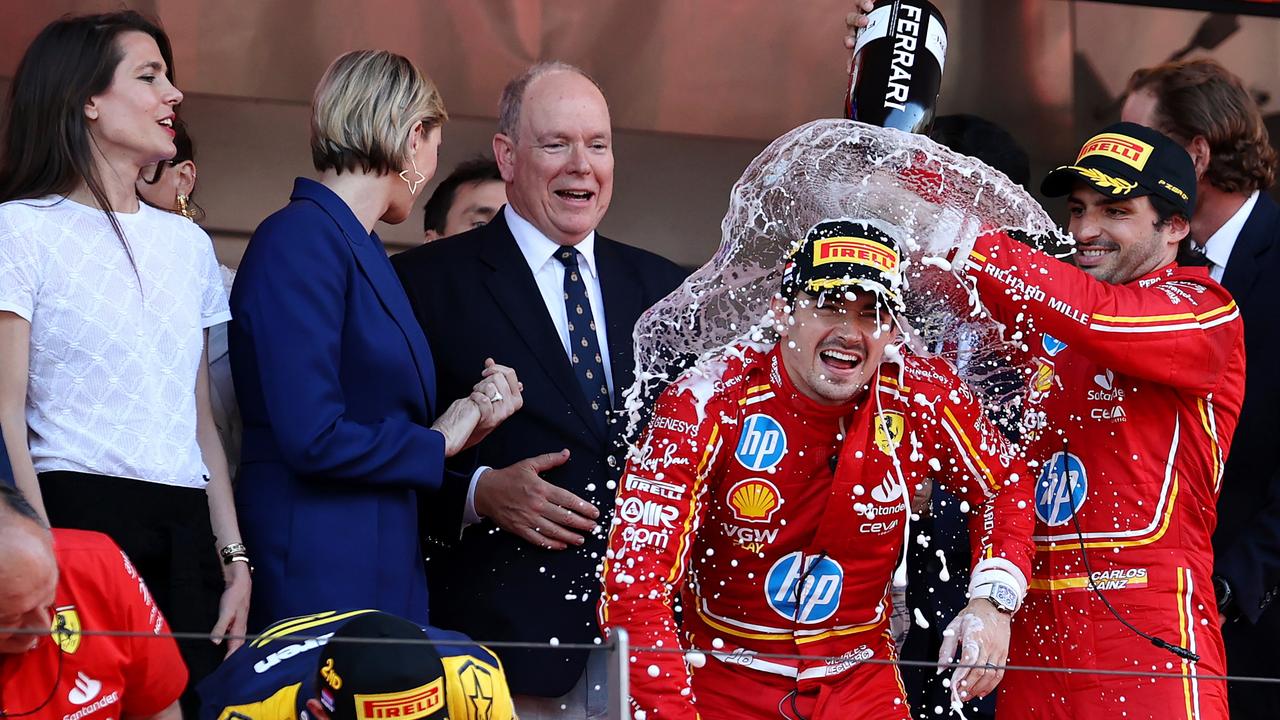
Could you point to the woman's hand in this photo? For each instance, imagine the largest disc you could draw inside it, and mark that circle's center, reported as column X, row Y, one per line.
column 457, row 423
column 233, row 608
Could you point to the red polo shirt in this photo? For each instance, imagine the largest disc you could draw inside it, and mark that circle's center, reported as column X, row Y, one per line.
column 96, row 677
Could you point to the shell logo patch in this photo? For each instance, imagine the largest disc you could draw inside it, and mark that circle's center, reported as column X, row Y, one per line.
column 754, row 500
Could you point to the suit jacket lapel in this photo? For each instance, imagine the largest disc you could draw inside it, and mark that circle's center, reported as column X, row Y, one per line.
column 623, row 303
column 372, row 259
column 1256, row 238
column 516, row 292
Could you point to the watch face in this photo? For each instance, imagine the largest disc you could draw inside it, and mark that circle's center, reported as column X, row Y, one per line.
column 1005, row 596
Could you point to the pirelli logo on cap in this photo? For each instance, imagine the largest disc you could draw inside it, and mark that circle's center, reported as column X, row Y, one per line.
column 405, row 705
column 859, row 251
column 1127, row 150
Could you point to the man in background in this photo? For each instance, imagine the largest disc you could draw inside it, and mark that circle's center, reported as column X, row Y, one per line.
column 1207, row 110
column 470, row 197
column 538, row 289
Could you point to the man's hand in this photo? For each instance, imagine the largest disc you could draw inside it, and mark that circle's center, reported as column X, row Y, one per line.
column 523, row 504
column 920, row 498
column 498, row 396
column 856, row 20
column 981, row 633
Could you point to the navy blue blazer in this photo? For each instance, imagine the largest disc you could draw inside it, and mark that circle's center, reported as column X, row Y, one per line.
column 476, row 297
column 6, row 471
column 1247, row 541
column 336, row 390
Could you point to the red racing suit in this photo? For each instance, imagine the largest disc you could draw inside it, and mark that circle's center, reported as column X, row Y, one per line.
column 779, row 522
column 1141, row 385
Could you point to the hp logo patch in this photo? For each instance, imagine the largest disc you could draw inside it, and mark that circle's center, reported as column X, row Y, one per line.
column 1053, row 345
column 1062, row 489
column 817, row 600
column 762, row 444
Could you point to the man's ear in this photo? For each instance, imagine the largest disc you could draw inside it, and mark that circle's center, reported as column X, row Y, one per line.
column 1200, row 155
column 1178, row 227
column 186, row 177
column 431, row 235
column 504, row 152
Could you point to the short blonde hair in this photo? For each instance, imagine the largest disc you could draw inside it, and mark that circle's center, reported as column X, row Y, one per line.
column 363, row 109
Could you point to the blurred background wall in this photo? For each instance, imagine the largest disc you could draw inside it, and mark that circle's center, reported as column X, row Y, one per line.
column 696, row 87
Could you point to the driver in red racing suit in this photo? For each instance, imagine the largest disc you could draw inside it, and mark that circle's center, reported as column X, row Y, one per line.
column 1140, row 376
column 771, row 491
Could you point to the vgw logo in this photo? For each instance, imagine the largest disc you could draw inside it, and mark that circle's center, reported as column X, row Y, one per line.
column 762, row 444
column 814, row 601
column 1062, row 489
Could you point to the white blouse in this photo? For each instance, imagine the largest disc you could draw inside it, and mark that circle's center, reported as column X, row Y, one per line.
column 111, row 383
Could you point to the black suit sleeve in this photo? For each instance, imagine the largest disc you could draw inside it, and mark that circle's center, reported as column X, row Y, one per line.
column 1252, row 564
column 441, row 511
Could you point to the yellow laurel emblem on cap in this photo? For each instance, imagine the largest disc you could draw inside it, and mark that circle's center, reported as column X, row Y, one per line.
column 1103, row 180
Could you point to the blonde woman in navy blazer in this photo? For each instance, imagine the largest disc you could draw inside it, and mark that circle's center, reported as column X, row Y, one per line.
column 333, row 373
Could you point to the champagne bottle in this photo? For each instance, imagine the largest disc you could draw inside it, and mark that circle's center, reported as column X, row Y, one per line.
column 897, row 66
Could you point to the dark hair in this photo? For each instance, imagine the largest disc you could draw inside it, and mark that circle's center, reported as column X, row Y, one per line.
column 13, row 500
column 985, row 140
column 1202, row 98
column 478, row 169
column 1166, row 209
column 47, row 148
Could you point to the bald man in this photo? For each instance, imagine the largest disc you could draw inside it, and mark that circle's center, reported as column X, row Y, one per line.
column 57, row 585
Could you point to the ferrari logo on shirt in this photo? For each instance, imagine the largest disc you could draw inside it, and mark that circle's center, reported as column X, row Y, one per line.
column 889, row 432
column 66, row 629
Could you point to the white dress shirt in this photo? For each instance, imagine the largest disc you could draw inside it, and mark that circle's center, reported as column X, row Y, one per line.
column 1218, row 247
column 539, row 252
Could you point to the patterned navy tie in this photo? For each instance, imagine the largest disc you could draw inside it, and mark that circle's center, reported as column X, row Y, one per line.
column 584, row 347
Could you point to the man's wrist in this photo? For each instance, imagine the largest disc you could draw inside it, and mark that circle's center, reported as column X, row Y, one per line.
column 1002, row 595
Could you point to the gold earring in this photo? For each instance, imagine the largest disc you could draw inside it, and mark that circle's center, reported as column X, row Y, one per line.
column 184, row 207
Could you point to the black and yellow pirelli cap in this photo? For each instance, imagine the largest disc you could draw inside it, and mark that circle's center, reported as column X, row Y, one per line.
column 1130, row 160
column 842, row 254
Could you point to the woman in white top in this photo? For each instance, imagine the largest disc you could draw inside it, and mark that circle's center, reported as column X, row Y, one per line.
column 104, row 303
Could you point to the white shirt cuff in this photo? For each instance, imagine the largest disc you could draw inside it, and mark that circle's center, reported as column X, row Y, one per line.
column 469, row 514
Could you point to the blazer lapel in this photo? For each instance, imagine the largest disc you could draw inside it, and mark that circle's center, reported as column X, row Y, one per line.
column 623, row 303
column 372, row 259
column 1256, row 238
column 516, row 293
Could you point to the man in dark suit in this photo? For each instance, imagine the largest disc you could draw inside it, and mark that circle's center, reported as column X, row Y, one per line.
column 1207, row 109
column 539, row 290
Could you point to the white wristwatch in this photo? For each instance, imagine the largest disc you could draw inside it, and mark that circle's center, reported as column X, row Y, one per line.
column 1002, row 595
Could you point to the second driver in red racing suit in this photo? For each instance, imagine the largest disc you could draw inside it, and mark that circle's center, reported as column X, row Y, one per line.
column 771, row 494
column 1139, row 379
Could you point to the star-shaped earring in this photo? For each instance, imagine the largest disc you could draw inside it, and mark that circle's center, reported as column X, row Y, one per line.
column 414, row 183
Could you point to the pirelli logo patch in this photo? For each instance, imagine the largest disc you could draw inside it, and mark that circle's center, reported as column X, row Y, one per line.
column 405, row 705
column 1130, row 151
column 856, row 250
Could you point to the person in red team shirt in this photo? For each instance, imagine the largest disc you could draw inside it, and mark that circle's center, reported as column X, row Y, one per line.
column 54, row 587
column 1138, row 385
column 771, row 490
